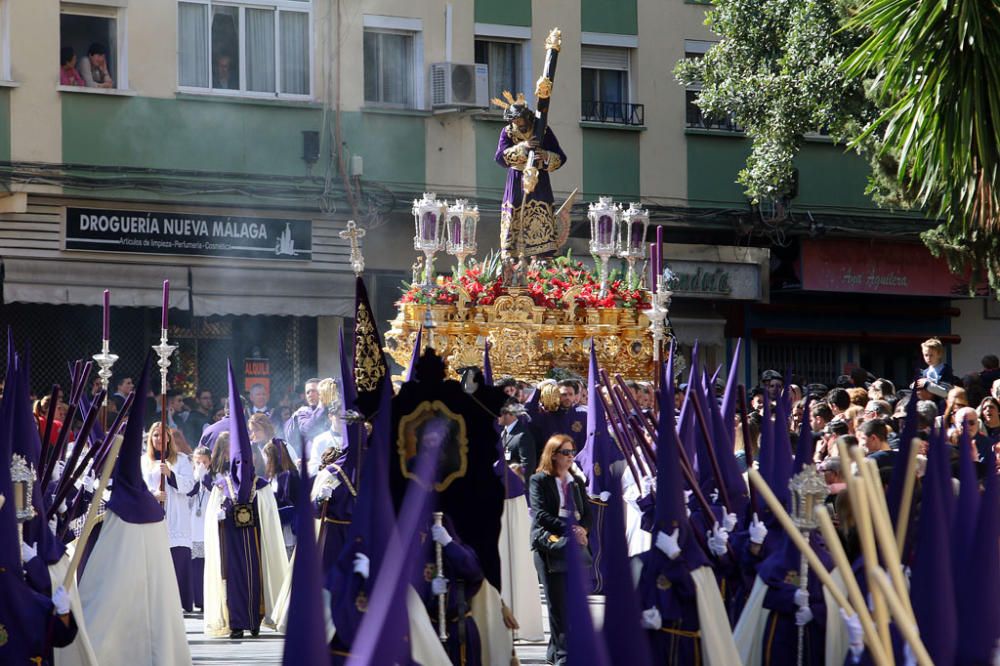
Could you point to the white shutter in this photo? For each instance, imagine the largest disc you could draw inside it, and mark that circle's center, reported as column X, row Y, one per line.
column 604, row 57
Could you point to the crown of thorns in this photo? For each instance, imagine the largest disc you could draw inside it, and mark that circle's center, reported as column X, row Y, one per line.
column 513, row 107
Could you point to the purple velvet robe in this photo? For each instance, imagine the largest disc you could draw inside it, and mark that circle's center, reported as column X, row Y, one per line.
column 667, row 585
column 540, row 231
column 572, row 422
column 461, row 568
column 241, row 564
column 337, row 516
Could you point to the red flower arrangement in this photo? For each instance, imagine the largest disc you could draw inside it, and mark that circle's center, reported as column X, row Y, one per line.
column 548, row 284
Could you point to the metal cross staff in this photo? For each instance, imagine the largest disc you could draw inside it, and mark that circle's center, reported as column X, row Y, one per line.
column 808, row 491
column 354, row 233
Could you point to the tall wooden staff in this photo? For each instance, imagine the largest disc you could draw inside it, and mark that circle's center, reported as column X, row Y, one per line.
column 105, row 359
column 543, row 94
column 163, row 350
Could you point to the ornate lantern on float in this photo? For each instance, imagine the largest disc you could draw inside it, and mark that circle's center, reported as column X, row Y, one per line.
column 461, row 231
column 632, row 240
column 604, row 219
column 429, row 238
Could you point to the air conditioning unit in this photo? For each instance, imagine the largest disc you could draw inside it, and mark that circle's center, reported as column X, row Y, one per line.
column 457, row 86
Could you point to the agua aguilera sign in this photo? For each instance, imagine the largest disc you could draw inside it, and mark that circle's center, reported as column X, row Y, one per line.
column 877, row 267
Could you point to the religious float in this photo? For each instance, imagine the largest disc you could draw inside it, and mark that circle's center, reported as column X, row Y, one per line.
column 536, row 314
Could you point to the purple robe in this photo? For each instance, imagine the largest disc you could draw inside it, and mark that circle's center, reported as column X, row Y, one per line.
column 538, row 229
column 465, row 576
column 667, row 585
column 337, row 515
column 572, row 422
column 306, row 422
column 241, row 564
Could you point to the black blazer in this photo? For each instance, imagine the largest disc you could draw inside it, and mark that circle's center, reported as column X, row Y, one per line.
column 544, row 499
column 521, row 445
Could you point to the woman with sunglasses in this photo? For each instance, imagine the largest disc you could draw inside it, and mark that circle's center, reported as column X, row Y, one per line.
column 557, row 495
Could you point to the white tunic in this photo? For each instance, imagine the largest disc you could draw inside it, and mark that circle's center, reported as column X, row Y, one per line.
column 178, row 513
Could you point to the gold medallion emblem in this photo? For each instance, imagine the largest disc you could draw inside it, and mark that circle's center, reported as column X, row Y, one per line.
column 597, row 469
column 361, row 602
column 577, row 426
column 243, row 515
column 428, row 572
column 792, row 578
column 662, row 582
column 3, row 635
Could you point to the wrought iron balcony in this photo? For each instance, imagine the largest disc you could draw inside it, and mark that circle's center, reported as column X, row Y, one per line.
column 695, row 119
column 619, row 113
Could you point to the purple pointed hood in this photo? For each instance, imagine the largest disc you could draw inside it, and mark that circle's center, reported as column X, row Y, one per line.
column 623, row 633
column 731, row 394
column 130, row 499
column 415, row 356
column 670, row 512
column 736, row 487
column 240, row 450
column 977, row 592
column 599, row 452
column 964, row 528
column 305, row 640
column 932, row 591
column 781, row 461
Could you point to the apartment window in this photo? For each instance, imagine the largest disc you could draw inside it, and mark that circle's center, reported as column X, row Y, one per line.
column 92, row 50
column 605, row 86
column 262, row 49
column 388, row 68
column 504, row 61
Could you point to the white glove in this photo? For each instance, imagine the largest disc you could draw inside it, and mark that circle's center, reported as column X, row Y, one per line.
column 57, row 471
column 220, row 515
column 855, row 635
column 714, row 496
column 439, row 585
column 62, row 507
column 604, row 497
column 61, row 600
column 758, row 531
column 651, row 619
column 53, row 524
column 803, row 616
column 729, row 522
column 668, row 543
column 362, row 565
column 648, row 485
column 89, row 482
column 440, row 535
column 718, row 539
column 106, row 495
column 802, row 597
column 28, row 553
column 326, row 492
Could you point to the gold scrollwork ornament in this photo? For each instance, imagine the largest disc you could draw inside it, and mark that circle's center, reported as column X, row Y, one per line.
column 543, row 87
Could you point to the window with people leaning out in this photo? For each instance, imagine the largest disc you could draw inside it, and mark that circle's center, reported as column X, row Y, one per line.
column 88, row 57
column 259, row 49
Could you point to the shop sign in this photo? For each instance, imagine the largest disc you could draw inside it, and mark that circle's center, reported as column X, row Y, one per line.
column 257, row 371
column 171, row 233
column 877, row 267
column 715, row 280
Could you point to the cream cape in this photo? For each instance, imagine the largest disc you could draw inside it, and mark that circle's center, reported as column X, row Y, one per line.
column 80, row 652
column 716, row 636
column 130, row 598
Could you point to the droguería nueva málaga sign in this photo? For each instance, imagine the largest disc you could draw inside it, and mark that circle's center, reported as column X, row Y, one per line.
column 159, row 232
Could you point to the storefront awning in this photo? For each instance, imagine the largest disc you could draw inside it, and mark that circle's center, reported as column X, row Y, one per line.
column 706, row 330
column 68, row 282
column 249, row 291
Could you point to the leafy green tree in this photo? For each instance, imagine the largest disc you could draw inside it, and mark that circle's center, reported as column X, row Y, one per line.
column 914, row 85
